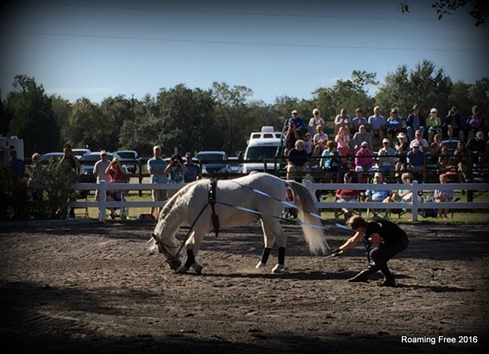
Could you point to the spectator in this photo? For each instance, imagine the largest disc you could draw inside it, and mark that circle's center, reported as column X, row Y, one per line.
column 116, row 174
column 35, row 179
column 445, row 163
column 378, row 195
column 342, row 140
column 70, row 158
column 443, row 195
column 17, row 165
column 100, row 168
column 435, row 148
column 298, row 123
column 319, row 140
column 394, row 124
column 359, row 137
column 342, row 120
column 291, row 136
column 315, row 121
column 422, row 143
column 402, row 148
column 347, row 195
column 386, row 157
column 308, row 144
column 415, row 121
column 461, row 161
column 433, row 123
column 405, row 195
column 454, row 124
column 376, row 123
column 416, row 163
column 364, row 160
column 358, row 120
column 193, row 170
column 156, row 167
column 176, row 169
column 477, row 146
column 475, row 123
column 330, row 161
column 298, row 161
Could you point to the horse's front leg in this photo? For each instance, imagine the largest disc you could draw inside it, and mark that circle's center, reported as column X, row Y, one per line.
column 190, row 263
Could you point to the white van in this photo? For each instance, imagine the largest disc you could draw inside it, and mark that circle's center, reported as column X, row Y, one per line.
column 265, row 144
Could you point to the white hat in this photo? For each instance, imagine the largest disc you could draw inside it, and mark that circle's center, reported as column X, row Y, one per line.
column 364, row 143
column 358, row 169
column 385, row 141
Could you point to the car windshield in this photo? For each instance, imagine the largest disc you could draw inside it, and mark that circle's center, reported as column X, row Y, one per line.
column 209, row 157
column 260, row 152
column 127, row 154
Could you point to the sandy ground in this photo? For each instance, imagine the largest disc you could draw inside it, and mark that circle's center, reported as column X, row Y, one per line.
column 95, row 287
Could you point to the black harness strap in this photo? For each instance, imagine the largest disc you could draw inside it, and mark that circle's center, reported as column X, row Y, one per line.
column 212, row 202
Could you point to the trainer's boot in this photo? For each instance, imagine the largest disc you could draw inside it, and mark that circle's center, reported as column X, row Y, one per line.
column 363, row 275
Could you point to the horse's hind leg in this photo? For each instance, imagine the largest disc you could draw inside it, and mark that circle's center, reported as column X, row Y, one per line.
column 273, row 231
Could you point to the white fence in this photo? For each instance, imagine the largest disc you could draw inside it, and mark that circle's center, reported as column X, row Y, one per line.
column 415, row 206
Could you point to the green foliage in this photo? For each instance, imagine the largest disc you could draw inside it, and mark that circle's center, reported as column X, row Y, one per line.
column 45, row 195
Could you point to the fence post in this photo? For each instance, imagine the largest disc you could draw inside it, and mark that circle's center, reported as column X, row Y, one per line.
column 415, row 200
column 102, row 200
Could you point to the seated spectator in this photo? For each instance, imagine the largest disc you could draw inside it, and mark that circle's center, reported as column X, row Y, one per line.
column 415, row 122
column 477, row 146
column 376, row 123
column 454, row 125
column 308, row 144
column 474, row 123
column 342, row 120
column 393, row 124
column 422, row 143
column 330, row 161
column 359, row 137
column 364, row 159
column 404, row 195
column 386, row 157
column 433, row 123
column 358, row 121
column 446, row 164
column 298, row 160
column 461, row 161
column 347, row 195
column 342, row 140
column 402, row 148
column 443, row 195
column 299, row 123
column 416, row 163
column 319, row 140
column 315, row 121
column 378, row 195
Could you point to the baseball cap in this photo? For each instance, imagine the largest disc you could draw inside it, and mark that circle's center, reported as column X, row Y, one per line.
column 479, row 135
column 401, row 135
column 294, row 111
column 385, row 141
column 103, row 152
column 364, row 144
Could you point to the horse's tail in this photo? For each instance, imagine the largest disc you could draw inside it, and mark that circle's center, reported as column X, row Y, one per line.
column 309, row 215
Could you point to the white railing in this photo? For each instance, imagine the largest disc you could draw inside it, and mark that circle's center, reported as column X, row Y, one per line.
column 102, row 204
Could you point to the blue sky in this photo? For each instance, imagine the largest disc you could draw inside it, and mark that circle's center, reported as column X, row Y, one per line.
column 97, row 49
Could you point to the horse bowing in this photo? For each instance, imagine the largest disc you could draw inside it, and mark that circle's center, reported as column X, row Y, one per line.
column 236, row 202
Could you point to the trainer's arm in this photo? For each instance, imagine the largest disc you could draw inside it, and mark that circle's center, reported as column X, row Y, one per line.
column 352, row 241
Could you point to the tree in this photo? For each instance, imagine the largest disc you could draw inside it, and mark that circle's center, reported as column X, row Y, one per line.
column 32, row 116
column 477, row 9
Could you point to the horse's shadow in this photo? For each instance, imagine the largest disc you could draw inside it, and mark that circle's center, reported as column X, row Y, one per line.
column 286, row 275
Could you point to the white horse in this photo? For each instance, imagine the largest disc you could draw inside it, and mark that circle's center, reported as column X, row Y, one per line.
column 238, row 202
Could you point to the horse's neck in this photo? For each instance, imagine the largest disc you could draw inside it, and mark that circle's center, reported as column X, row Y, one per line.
column 170, row 220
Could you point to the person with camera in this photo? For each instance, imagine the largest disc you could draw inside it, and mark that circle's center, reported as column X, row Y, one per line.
column 453, row 125
column 176, row 170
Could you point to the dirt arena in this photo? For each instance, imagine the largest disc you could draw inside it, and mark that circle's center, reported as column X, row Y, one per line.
column 94, row 287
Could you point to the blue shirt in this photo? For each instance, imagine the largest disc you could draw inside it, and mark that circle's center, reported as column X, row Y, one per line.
column 157, row 163
column 331, row 162
column 193, row 171
column 378, row 196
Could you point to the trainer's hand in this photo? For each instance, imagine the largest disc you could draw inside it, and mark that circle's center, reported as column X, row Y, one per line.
column 336, row 253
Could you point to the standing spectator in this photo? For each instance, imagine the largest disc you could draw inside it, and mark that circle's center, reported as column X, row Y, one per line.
column 342, row 120
column 358, row 120
column 475, row 123
column 415, row 121
column 176, row 169
column 376, row 124
column 443, row 195
column 315, row 121
column 100, row 168
column 359, row 137
column 156, row 168
column 70, row 158
column 193, row 170
column 35, row 182
column 298, row 161
column 342, row 140
column 17, row 165
column 433, row 123
column 319, row 140
column 330, row 161
column 394, row 124
column 454, row 124
column 422, row 143
column 298, row 123
column 364, row 160
column 416, row 162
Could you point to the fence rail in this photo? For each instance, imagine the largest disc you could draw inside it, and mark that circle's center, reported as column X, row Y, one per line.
column 415, row 206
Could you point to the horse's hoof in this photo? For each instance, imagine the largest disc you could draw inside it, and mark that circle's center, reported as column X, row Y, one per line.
column 175, row 264
column 279, row 268
column 182, row 270
column 197, row 268
column 260, row 265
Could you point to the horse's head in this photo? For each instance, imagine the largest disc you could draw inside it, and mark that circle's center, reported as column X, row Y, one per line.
column 169, row 250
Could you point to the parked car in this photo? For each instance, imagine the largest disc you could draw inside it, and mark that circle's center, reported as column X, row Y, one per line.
column 130, row 158
column 89, row 160
column 211, row 161
column 51, row 156
column 80, row 152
